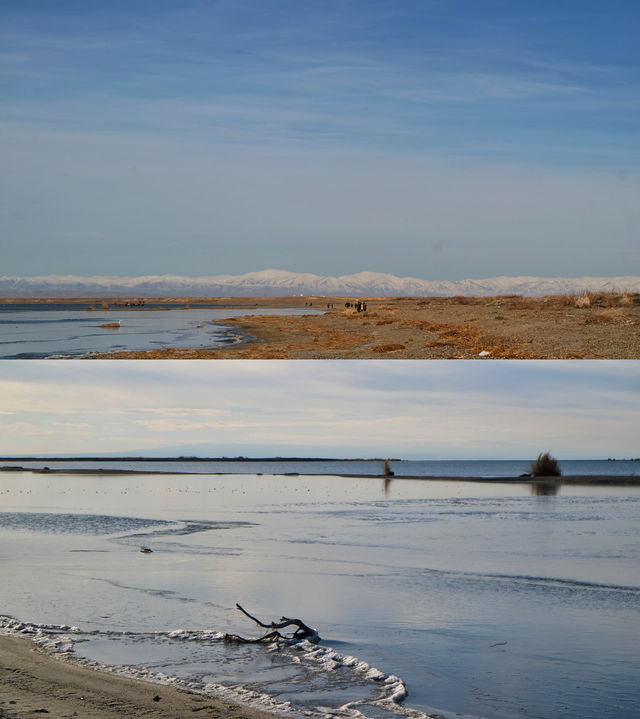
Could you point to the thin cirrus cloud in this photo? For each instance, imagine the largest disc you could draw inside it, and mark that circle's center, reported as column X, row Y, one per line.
column 408, row 409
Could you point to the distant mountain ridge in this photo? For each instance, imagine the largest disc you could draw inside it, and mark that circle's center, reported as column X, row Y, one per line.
column 279, row 283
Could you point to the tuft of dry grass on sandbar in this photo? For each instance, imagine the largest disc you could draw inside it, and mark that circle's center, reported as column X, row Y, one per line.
column 545, row 466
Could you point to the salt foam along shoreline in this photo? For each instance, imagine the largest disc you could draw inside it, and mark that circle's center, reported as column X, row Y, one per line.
column 59, row 640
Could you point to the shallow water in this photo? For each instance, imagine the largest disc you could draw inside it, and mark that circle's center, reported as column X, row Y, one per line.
column 404, row 468
column 38, row 332
column 485, row 599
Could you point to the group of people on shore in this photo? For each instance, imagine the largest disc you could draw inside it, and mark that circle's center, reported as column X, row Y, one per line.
column 359, row 305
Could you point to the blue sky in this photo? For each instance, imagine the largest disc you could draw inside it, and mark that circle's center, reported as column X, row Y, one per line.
column 437, row 139
column 411, row 409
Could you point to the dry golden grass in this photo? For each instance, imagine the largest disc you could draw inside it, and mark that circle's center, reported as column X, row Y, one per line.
column 461, row 300
column 523, row 303
column 475, row 340
column 382, row 349
column 599, row 320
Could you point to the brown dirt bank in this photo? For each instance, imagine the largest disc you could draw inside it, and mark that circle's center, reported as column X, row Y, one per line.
column 589, row 326
column 34, row 683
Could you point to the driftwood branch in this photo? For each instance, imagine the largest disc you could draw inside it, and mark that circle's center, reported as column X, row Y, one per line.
column 302, row 631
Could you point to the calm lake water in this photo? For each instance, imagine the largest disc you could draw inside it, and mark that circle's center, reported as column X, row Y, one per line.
column 38, row 331
column 485, row 600
column 404, row 468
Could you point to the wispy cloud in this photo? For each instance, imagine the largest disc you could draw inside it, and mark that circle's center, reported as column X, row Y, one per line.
column 412, row 409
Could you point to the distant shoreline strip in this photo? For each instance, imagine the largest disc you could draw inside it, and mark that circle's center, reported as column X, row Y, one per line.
column 613, row 480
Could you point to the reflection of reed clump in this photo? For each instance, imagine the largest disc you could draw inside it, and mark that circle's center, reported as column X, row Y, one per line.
column 545, row 489
column 545, row 466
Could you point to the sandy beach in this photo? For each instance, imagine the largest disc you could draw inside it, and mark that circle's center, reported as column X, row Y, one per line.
column 33, row 682
column 559, row 327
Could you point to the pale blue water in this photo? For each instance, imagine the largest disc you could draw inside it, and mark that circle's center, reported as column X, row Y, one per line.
column 488, row 601
column 405, row 468
column 37, row 331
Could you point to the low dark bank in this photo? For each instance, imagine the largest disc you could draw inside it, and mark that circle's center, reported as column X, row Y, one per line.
column 610, row 480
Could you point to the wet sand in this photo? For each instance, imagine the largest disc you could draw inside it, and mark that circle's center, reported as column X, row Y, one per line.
column 605, row 326
column 34, row 683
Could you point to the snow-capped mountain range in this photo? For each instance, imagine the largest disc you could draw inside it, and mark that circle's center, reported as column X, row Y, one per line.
column 280, row 283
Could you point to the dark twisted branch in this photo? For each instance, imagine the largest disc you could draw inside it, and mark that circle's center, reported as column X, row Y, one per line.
column 302, row 632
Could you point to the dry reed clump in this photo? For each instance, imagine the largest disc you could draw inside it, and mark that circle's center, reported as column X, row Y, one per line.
column 606, row 299
column 545, row 466
column 380, row 349
column 583, row 300
column 611, row 299
column 104, row 306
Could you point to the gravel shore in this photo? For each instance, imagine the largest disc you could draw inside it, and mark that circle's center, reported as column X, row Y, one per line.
column 559, row 327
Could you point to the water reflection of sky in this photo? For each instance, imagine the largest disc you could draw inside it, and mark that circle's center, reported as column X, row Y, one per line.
column 473, row 593
column 40, row 333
